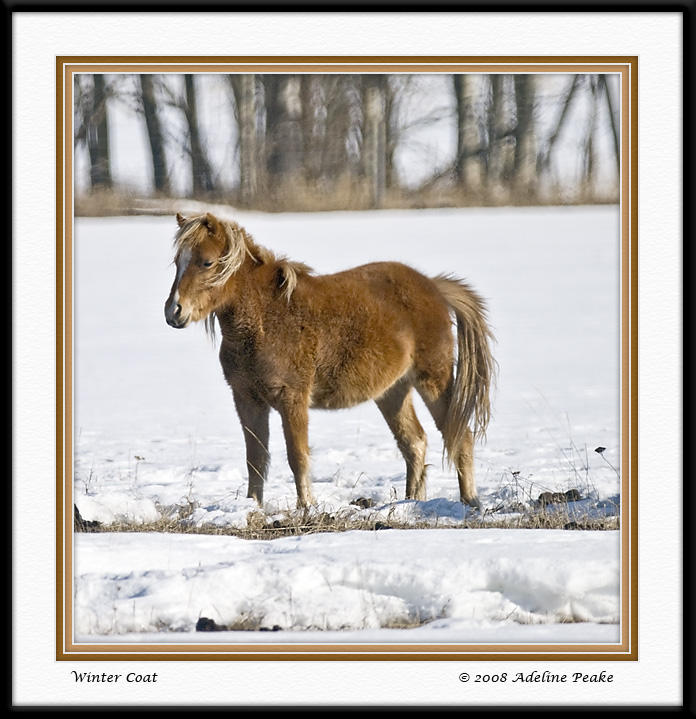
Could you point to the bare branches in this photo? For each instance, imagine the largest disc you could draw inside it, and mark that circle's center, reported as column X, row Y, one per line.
column 613, row 118
column 361, row 139
column 545, row 155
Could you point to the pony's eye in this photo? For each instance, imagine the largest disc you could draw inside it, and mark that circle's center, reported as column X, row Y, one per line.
column 208, row 263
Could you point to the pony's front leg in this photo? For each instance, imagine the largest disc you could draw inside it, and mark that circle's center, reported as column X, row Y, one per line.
column 254, row 418
column 294, row 413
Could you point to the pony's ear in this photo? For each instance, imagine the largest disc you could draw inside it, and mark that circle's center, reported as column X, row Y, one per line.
column 180, row 219
column 211, row 222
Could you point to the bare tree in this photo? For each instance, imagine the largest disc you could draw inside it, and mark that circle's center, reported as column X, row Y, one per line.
column 97, row 132
column 340, row 94
column 396, row 88
column 374, row 137
column 154, row 134
column 525, row 163
column 283, row 139
column 566, row 103
column 310, row 104
column 589, row 144
column 201, row 175
column 467, row 165
column 613, row 119
column 499, row 154
column 244, row 90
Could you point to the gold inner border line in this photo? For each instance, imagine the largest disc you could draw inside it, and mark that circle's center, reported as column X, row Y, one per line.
column 66, row 67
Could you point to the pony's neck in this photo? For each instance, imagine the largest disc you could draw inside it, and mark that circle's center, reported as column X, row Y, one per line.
column 260, row 280
column 246, row 293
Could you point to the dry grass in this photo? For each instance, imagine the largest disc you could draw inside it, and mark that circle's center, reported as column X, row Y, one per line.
column 343, row 194
column 106, row 203
column 253, row 622
column 259, row 526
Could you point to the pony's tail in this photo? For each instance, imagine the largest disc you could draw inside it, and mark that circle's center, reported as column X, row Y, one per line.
column 469, row 407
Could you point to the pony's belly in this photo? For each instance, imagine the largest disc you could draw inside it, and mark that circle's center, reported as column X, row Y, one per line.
column 361, row 367
column 342, row 390
column 345, row 393
column 336, row 400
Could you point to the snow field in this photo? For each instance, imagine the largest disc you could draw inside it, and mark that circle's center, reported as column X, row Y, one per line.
column 156, row 435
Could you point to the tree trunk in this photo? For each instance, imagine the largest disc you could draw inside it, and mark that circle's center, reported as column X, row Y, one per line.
column 336, row 125
column 374, row 140
column 311, row 154
column 589, row 159
column 244, row 88
column 201, row 176
column 98, row 137
column 525, row 138
column 154, row 133
column 467, row 165
column 390, row 134
column 499, row 157
column 283, row 130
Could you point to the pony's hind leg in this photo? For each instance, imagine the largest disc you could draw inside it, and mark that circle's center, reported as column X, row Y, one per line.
column 462, row 456
column 294, row 414
column 397, row 408
column 253, row 416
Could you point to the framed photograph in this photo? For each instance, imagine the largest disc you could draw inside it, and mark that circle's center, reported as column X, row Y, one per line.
column 400, row 423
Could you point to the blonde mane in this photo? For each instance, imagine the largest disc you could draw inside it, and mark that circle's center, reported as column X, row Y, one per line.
column 291, row 271
column 239, row 244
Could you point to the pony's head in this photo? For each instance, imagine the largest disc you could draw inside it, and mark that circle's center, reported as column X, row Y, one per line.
column 208, row 252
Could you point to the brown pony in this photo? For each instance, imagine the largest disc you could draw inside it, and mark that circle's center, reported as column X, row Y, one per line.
column 292, row 340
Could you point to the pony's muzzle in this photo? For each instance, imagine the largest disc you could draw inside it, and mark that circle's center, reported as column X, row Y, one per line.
column 172, row 313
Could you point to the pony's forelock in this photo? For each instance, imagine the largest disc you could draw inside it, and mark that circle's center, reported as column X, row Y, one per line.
column 237, row 245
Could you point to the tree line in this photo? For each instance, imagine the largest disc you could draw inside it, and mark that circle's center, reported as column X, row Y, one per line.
column 336, row 137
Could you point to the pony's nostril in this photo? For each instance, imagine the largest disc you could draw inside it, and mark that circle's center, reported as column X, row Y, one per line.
column 173, row 313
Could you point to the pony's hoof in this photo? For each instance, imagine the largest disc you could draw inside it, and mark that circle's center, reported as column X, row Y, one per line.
column 306, row 504
column 473, row 503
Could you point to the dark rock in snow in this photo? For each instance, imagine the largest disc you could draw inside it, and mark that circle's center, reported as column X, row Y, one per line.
column 363, row 502
column 84, row 525
column 572, row 495
column 204, row 624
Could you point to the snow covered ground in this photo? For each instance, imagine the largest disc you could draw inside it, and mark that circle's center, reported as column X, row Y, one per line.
column 156, row 435
column 452, row 585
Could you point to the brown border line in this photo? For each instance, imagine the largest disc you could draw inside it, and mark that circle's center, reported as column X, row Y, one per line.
column 627, row 649
column 61, row 518
column 624, row 352
column 68, row 335
column 613, row 60
column 633, row 342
